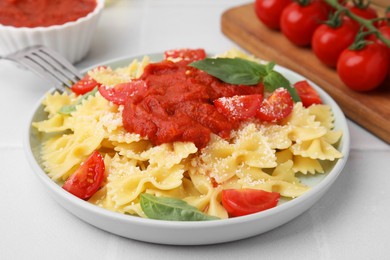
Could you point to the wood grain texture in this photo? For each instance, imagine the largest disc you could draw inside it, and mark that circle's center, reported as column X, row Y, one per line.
column 370, row 110
column 381, row 3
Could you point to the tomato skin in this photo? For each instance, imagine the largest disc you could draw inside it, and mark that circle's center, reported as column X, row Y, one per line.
column 364, row 69
column 248, row 201
column 270, row 11
column 328, row 42
column 385, row 31
column 276, row 107
column 298, row 23
column 87, row 179
column 239, row 107
column 85, row 85
column 307, row 93
column 123, row 91
column 187, row 55
column 366, row 13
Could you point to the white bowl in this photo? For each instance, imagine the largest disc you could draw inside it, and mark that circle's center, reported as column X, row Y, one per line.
column 72, row 39
column 191, row 233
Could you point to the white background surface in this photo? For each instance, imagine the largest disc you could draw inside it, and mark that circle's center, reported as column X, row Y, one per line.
column 352, row 221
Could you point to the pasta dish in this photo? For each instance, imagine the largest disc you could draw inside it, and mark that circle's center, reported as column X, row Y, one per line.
column 103, row 144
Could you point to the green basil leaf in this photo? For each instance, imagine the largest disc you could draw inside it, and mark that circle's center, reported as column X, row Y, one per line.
column 67, row 110
column 275, row 80
column 244, row 72
column 234, row 71
column 164, row 208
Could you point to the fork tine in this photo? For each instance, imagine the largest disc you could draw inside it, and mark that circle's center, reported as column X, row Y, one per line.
column 48, row 64
column 52, row 71
column 64, row 64
column 39, row 70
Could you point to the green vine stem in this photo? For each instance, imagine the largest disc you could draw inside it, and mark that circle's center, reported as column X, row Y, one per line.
column 364, row 22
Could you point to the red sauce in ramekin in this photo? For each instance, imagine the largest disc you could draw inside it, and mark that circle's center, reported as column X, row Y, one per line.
column 43, row 13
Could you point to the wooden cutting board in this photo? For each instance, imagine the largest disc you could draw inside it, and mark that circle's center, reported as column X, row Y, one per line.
column 371, row 110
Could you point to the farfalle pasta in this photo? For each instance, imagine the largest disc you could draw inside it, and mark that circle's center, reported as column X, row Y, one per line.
column 268, row 156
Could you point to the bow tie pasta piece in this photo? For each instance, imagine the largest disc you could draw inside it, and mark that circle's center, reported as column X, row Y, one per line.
column 282, row 180
column 323, row 114
column 109, row 77
column 278, row 135
column 126, row 180
column 209, row 197
column 300, row 164
column 62, row 154
column 53, row 102
column 316, row 149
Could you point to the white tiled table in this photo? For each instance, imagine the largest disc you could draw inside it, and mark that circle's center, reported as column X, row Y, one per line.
column 352, row 221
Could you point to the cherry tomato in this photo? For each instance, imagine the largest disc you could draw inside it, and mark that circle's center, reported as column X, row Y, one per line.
column 307, row 93
column 365, row 12
column 121, row 92
column 364, row 69
column 239, row 107
column 188, row 55
column 269, row 12
column 248, row 201
column 385, row 31
column 277, row 106
column 85, row 85
column 87, row 179
column 298, row 22
column 328, row 42
column 330, row 8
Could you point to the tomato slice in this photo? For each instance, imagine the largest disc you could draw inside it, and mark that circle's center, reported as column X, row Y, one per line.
column 85, row 85
column 248, row 201
column 186, row 54
column 307, row 93
column 276, row 107
column 239, row 107
column 87, row 179
column 123, row 91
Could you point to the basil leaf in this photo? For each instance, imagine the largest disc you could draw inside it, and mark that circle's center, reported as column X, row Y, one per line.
column 244, row 72
column 164, row 208
column 66, row 110
column 275, row 80
column 234, row 71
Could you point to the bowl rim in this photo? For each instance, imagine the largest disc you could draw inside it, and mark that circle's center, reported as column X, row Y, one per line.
column 116, row 216
column 99, row 7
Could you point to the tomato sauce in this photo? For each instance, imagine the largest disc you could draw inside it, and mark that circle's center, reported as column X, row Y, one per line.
column 177, row 105
column 43, row 13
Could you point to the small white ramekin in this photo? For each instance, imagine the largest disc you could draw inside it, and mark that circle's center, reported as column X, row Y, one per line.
column 72, row 39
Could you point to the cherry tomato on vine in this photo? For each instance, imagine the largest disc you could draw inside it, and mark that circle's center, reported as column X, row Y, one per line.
column 364, row 11
column 299, row 21
column 87, row 179
column 269, row 12
column 385, row 31
column 364, row 69
column 330, row 8
column 248, row 201
column 328, row 42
